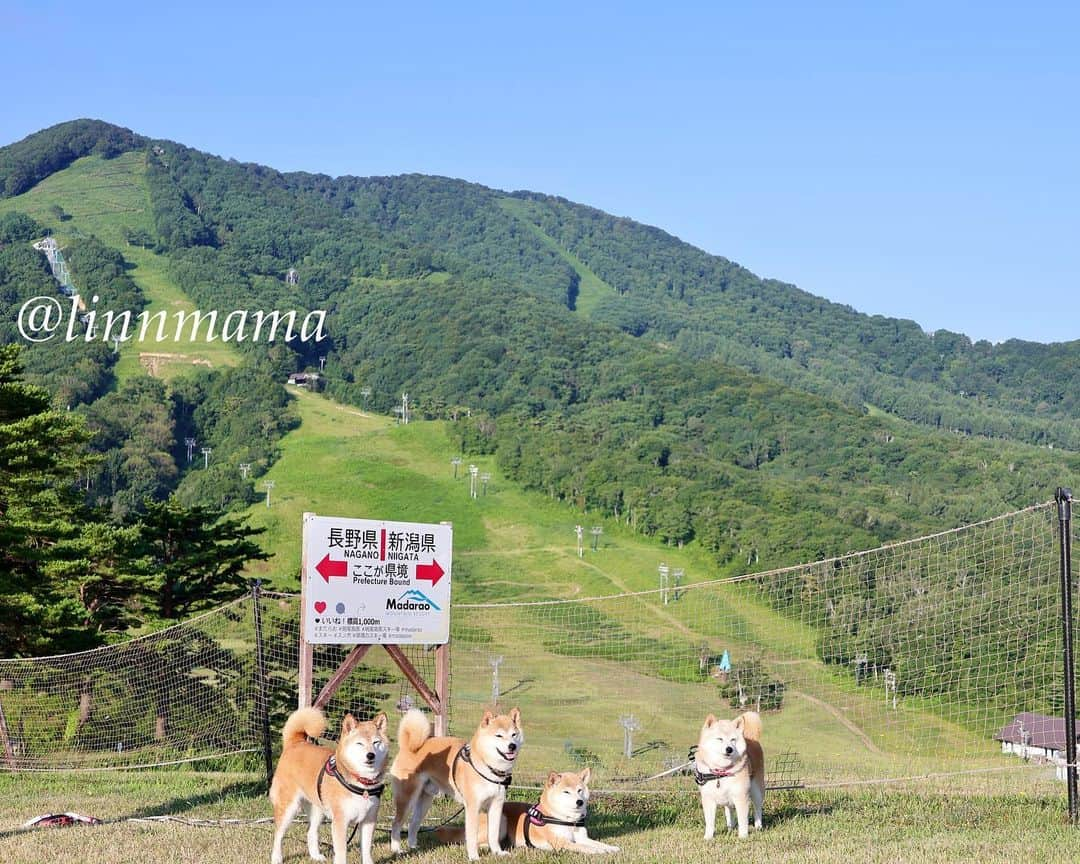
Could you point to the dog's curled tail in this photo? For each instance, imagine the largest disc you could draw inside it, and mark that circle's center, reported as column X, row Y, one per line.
column 751, row 726
column 303, row 724
column 413, row 730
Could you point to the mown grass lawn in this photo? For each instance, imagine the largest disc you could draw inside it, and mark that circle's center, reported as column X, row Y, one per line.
column 879, row 825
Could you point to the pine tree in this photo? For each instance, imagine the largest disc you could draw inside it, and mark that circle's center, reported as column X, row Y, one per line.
column 42, row 451
column 194, row 560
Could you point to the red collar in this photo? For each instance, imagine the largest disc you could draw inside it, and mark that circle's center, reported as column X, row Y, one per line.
column 701, row 777
column 373, row 788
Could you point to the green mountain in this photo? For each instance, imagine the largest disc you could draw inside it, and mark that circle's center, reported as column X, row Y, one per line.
column 604, row 363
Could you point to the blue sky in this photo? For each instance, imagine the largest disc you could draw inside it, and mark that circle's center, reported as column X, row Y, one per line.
column 914, row 160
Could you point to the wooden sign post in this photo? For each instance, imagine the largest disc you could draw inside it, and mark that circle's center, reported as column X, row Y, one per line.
column 365, row 582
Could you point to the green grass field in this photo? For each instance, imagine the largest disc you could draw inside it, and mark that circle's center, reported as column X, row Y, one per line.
column 1008, row 825
column 105, row 198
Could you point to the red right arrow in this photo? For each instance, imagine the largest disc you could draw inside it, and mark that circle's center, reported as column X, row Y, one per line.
column 328, row 567
column 429, row 572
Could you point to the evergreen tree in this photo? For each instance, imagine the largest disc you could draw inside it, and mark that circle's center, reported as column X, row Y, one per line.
column 42, row 451
column 194, row 561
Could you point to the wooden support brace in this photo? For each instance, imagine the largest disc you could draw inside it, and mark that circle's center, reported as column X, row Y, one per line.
column 414, row 678
column 347, row 665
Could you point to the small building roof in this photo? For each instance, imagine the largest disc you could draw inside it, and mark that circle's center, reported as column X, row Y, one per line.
column 1035, row 730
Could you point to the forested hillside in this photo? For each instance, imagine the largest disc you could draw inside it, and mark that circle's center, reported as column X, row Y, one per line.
column 706, row 306
column 606, row 363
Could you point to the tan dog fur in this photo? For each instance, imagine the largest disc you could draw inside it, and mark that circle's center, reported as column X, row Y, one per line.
column 564, row 797
column 732, row 746
column 425, row 766
column 296, row 780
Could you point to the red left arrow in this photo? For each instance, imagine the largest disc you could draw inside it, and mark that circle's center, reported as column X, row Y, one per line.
column 429, row 572
column 327, row 568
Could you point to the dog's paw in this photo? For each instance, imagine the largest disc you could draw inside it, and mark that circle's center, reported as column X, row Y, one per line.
column 317, row 856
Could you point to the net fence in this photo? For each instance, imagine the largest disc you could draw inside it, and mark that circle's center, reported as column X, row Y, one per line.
column 936, row 654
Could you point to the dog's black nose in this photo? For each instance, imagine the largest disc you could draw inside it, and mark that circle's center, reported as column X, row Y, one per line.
column 580, row 802
column 729, row 750
column 512, row 747
column 370, row 757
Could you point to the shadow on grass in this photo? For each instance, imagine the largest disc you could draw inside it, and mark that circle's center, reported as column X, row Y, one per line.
column 613, row 816
column 179, row 806
column 172, row 807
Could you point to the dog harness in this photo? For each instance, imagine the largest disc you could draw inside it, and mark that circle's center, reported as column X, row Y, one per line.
column 701, row 778
column 465, row 755
column 535, row 816
column 367, row 790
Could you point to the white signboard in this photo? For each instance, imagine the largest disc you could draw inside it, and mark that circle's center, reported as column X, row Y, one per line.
column 372, row 582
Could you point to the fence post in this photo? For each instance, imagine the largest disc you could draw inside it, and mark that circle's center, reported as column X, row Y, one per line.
column 5, row 740
column 262, row 701
column 1064, row 502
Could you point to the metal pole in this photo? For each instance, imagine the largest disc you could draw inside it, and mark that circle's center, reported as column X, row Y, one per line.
column 1064, row 502
column 263, row 703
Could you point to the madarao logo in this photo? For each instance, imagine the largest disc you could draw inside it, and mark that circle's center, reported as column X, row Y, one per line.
column 411, row 601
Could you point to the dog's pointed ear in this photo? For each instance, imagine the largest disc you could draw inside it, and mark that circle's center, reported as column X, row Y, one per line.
column 486, row 719
column 739, row 722
column 515, row 716
column 586, row 773
column 553, row 778
column 348, row 723
column 380, row 722
column 710, row 720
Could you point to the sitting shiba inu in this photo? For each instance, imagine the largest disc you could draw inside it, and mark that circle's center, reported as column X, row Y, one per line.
column 476, row 774
column 345, row 782
column 556, row 823
column 729, row 766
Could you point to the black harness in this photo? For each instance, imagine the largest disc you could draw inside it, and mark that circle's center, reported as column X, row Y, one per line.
column 534, row 816
column 702, row 778
column 465, row 755
column 330, row 767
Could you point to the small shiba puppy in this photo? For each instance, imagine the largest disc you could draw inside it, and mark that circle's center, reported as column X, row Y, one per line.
column 729, row 766
column 476, row 774
column 556, row 823
column 345, row 782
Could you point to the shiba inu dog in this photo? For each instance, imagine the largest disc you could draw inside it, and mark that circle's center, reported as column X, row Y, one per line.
column 476, row 774
column 556, row 823
column 345, row 782
column 729, row 766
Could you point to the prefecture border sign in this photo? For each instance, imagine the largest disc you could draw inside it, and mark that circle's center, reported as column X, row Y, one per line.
column 376, row 583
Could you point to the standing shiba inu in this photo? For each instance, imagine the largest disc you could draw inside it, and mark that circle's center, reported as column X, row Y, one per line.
column 729, row 766
column 345, row 783
column 556, row 823
column 476, row 774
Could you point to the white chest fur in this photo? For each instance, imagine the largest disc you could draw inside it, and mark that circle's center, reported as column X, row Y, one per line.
column 357, row 809
column 724, row 791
